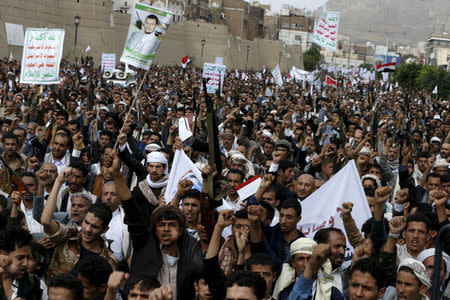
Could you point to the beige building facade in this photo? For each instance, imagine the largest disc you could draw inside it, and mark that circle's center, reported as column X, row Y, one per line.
column 104, row 30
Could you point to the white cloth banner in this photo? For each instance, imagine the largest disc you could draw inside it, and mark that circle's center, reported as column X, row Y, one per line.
column 14, row 34
column 326, row 30
column 215, row 75
column 108, row 61
column 42, row 55
column 322, row 208
column 299, row 74
column 182, row 168
column 276, row 73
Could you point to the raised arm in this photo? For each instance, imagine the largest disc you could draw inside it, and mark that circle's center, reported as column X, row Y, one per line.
column 51, row 226
column 225, row 220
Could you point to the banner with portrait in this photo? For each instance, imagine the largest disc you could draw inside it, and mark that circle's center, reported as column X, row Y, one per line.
column 148, row 26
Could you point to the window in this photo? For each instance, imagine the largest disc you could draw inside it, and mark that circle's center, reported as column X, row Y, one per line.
column 298, row 37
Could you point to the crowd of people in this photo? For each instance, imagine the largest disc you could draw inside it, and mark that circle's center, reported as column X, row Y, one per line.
column 84, row 170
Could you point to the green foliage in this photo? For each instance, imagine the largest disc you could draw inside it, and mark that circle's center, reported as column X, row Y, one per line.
column 406, row 75
column 311, row 58
column 431, row 76
column 367, row 66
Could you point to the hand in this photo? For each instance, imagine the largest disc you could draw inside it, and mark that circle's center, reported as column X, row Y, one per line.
column 46, row 243
column 254, row 213
column 77, row 140
column 162, row 293
column 401, row 196
column 16, row 197
column 315, row 161
column 431, row 161
column 225, row 218
column 113, row 163
column 276, row 156
column 359, row 253
column 347, row 208
column 208, row 170
column 382, row 194
column 184, row 186
column 178, row 145
column 438, row 197
column 397, row 224
column 242, row 239
column 5, row 261
column 320, row 255
column 43, row 176
column 64, row 174
column 89, row 115
column 122, row 139
column 266, row 181
column 117, row 279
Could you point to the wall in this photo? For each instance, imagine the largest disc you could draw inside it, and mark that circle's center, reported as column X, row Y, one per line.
column 183, row 38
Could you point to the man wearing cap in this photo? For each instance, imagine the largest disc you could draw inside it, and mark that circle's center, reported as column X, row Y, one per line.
column 427, row 258
column 300, row 251
column 441, row 166
column 435, row 144
column 412, row 282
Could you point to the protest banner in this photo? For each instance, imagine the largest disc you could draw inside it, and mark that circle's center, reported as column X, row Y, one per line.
column 42, row 55
column 182, row 169
column 326, row 30
column 148, row 26
column 108, row 61
column 299, row 74
column 322, row 208
column 14, row 34
column 215, row 75
column 276, row 73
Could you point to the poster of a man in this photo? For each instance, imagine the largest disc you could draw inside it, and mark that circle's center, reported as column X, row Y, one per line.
column 148, row 27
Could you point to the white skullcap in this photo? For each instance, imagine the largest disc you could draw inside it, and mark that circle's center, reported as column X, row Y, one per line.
column 152, row 147
column 373, row 177
column 441, row 162
column 365, row 150
column 267, row 132
column 303, row 245
column 156, row 157
column 418, row 268
column 431, row 252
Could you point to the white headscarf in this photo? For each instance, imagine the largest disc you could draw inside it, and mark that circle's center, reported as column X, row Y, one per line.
column 287, row 276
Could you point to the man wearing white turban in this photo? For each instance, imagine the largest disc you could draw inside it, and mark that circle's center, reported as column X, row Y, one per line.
column 152, row 179
column 301, row 250
column 427, row 258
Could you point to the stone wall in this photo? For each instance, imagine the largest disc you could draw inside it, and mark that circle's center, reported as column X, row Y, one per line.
column 95, row 30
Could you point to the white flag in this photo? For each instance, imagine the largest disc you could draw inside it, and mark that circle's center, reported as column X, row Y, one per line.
column 10, row 56
column 276, row 73
column 435, row 91
column 88, row 48
column 322, row 208
column 182, row 168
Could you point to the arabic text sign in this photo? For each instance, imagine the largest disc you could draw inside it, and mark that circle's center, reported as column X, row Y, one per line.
column 148, row 26
column 326, row 30
column 215, row 75
column 41, row 56
column 108, row 61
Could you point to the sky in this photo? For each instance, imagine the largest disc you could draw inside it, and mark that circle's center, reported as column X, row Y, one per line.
column 276, row 4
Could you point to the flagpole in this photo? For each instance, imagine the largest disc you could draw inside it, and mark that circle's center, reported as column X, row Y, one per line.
column 131, row 107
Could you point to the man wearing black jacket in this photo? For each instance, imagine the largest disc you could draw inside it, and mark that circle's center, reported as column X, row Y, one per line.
column 165, row 250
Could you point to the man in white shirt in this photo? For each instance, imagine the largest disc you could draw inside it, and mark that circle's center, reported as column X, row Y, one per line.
column 26, row 206
column 59, row 156
column 146, row 41
column 118, row 231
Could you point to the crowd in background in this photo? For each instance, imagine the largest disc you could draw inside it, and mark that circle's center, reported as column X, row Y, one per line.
column 82, row 184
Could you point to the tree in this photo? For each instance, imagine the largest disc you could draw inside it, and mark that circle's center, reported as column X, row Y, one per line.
column 431, row 76
column 367, row 66
column 311, row 58
column 406, row 75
